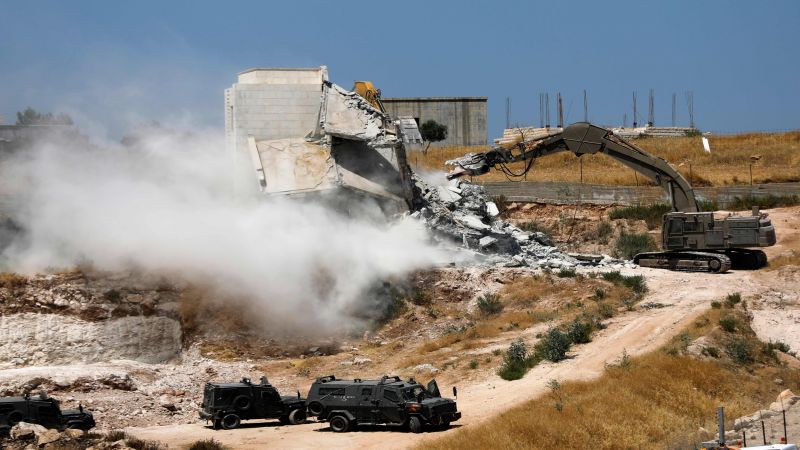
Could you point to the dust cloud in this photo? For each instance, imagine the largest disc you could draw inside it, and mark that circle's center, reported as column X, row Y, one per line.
column 164, row 204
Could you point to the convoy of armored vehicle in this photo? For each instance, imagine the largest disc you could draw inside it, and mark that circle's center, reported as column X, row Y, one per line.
column 344, row 404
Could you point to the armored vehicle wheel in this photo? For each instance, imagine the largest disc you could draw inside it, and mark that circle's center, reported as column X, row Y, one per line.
column 297, row 417
column 414, row 425
column 284, row 420
column 445, row 425
column 315, row 408
column 231, row 421
column 339, row 424
column 217, row 424
column 242, row 403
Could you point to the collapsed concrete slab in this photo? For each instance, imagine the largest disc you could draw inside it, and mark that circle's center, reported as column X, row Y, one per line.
column 348, row 149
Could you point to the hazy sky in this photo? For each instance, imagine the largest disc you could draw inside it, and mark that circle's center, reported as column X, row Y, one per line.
column 115, row 64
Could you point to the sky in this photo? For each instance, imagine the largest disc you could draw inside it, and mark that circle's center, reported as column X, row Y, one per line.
column 116, row 65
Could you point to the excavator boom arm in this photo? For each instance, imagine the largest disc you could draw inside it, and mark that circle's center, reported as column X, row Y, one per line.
column 584, row 138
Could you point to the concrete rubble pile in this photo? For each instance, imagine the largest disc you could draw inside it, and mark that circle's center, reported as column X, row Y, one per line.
column 463, row 213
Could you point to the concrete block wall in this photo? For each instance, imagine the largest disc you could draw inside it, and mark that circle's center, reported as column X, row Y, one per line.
column 272, row 104
column 465, row 117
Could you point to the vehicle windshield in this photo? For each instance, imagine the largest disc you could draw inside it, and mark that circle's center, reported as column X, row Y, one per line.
column 416, row 392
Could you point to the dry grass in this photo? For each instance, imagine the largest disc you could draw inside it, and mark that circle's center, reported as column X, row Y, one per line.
column 532, row 300
column 728, row 163
column 12, row 281
column 653, row 401
column 786, row 259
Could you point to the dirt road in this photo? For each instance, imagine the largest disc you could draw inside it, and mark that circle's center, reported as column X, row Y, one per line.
column 683, row 295
column 686, row 296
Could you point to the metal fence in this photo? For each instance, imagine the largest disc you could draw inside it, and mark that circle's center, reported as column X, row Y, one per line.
column 570, row 193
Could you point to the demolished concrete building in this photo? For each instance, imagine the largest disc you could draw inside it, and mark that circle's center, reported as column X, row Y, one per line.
column 300, row 135
column 305, row 136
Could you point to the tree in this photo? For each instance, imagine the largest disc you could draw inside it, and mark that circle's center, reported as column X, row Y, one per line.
column 432, row 131
column 32, row 117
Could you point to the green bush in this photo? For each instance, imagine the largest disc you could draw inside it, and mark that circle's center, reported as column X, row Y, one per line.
column 636, row 283
column 490, row 304
column 516, row 362
column 599, row 293
column 710, row 351
column 534, row 227
column 567, row 273
column 768, row 348
column 763, row 201
column 473, row 364
column 715, row 304
column 112, row 295
column 605, row 310
column 554, row 345
column 728, row 323
column 708, row 205
column 732, row 299
column 651, row 214
column 604, row 230
column 739, row 350
column 580, row 332
column 629, row 245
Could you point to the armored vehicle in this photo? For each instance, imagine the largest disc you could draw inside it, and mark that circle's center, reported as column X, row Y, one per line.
column 348, row 403
column 227, row 404
column 42, row 410
column 692, row 240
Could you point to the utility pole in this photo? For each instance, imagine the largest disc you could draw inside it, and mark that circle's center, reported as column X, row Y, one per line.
column 651, row 113
column 625, row 120
column 541, row 110
column 673, row 110
column 585, row 107
column 508, row 112
column 634, row 109
column 690, row 107
column 560, row 111
column 547, row 110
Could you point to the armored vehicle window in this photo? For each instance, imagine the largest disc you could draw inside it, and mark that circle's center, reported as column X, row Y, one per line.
column 692, row 226
column 366, row 392
column 331, row 391
column 267, row 395
column 391, row 396
column 414, row 393
column 676, row 226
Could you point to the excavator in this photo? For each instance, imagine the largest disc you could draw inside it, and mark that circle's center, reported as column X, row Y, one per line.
column 409, row 127
column 692, row 240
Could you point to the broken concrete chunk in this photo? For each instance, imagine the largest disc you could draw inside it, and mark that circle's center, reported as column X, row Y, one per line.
column 492, row 210
column 486, row 241
column 543, row 239
column 446, row 195
column 521, row 237
column 454, row 189
column 586, row 257
column 473, row 222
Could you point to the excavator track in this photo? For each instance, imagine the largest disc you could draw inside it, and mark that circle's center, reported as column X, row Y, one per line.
column 685, row 261
column 742, row 258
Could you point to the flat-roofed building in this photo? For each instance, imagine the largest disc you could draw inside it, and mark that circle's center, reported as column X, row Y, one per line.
column 465, row 117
